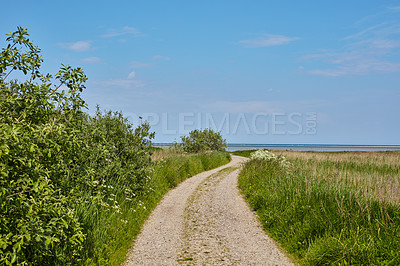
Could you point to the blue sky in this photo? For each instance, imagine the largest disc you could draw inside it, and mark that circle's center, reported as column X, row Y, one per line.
column 260, row 71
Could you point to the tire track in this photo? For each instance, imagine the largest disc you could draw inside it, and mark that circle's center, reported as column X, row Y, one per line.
column 205, row 221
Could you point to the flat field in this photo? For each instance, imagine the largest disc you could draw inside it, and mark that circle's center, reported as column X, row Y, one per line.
column 329, row 207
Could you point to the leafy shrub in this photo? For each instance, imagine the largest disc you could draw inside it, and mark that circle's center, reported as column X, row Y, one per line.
column 203, row 140
column 74, row 188
column 38, row 145
column 62, row 172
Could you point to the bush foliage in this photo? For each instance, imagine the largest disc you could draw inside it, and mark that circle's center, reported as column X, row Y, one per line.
column 74, row 189
column 203, row 140
column 56, row 162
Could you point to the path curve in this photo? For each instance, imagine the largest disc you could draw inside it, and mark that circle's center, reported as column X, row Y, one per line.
column 205, row 221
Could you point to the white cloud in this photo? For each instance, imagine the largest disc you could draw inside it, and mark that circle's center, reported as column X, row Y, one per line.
column 93, row 59
column 124, row 31
column 355, row 63
column 372, row 50
column 395, row 8
column 268, row 40
column 159, row 57
column 363, row 32
column 132, row 75
column 385, row 44
column 79, row 46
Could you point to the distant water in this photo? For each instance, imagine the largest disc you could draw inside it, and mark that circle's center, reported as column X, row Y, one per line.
column 313, row 147
column 304, row 147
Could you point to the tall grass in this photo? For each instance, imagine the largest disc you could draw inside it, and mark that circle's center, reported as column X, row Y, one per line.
column 330, row 208
column 164, row 153
column 377, row 175
column 119, row 223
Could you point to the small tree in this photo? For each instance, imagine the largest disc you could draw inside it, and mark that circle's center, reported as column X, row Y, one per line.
column 203, row 140
column 38, row 144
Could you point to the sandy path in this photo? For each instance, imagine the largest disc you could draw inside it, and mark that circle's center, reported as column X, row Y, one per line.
column 205, row 221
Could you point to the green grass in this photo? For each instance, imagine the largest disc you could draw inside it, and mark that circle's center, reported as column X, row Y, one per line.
column 330, row 208
column 245, row 153
column 114, row 234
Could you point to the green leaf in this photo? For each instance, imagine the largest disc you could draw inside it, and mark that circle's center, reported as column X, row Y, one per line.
column 65, row 223
column 14, row 258
column 47, row 242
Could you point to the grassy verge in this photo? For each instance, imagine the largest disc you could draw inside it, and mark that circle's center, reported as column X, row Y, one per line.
column 116, row 233
column 329, row 208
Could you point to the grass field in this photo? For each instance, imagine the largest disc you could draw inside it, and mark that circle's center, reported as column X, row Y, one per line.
column 329, row 207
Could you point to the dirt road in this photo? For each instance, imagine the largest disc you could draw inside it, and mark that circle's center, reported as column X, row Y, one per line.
column 205, row 221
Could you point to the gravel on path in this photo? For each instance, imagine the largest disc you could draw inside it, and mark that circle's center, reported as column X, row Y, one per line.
column 205, row 221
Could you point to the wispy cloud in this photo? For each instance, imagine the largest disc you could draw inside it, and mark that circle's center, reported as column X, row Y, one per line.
column 132, row 75
column 124, row 31
column 78, row 46
column 361, row 66
column 160, row 57
column 394, row 8
column 354, row 63
column 268, row 40
column 384, row 44
column 368, row 51
column 363, row 32
column 91, row 60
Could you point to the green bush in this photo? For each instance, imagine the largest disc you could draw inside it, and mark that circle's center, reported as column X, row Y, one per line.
column 203, row 140
column 38, row 146
column 63, row 173
column 74, row 189
column 115, row 162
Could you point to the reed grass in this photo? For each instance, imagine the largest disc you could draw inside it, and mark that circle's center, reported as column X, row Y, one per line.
column 330, row 208
column 164, row 153
column 374, row 174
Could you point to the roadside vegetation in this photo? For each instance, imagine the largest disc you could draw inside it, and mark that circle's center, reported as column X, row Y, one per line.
column 328, row 208
column 202, row 140
column 165, row 173
column 74, row 189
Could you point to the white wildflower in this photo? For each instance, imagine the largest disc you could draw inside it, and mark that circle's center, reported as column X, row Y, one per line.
column 263, row 155
column 269, row 156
